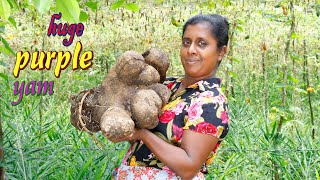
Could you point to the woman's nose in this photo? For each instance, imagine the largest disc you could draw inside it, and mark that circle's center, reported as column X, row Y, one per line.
column 192, row 49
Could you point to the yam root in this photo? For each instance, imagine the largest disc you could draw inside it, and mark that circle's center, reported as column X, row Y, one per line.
column 131, row 95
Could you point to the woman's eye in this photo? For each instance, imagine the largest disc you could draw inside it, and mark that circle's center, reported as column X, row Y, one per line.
column 186, row 43
column 202, row 43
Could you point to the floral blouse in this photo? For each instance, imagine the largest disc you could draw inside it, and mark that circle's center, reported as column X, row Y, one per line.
column 202, row 107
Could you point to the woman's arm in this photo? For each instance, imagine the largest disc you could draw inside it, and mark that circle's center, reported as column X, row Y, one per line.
column 186, row 160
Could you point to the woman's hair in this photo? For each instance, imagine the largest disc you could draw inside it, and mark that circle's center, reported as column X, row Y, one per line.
column 219, row 26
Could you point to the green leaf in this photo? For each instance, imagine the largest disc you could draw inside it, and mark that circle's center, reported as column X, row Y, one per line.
column 4, row 9
column 240, row 21
column 132, row 7
column 233, row 74
column 2, row 24
column 235, row 60
column 42, row 5
column 174, row 21
column 240, row 28
column 70, row 10
column 4, row 76
column 13, row 4
column 226, row 3
column 83, row 16
column 12, row 21
column 279, row 85
column 273, row 124
column 302, row 91
column 2, row 28
column 211, row 5
column 278, row 5
column 92, row 5
column 318, row 11
column 296, row 56
column 117, row 4
column 229, row 66
column 6, row 45
column 295, row 35
column 2, row 63
column 84, row 169
column 317, row 175
column 288, row 22
column 5, row 50
column 295, row 109
column 99, row 173
column 293, row 79
column 3, row 113
column 12, row 126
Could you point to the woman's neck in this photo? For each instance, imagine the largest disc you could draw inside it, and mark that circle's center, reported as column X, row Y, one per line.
column 187, row 80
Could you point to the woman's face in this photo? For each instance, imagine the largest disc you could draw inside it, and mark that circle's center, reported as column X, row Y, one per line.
column 199, row 52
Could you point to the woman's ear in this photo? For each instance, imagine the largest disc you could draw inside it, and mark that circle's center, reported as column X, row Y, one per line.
column 222, row 52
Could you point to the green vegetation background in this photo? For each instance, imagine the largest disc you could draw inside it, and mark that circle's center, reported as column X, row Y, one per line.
column 271, row 75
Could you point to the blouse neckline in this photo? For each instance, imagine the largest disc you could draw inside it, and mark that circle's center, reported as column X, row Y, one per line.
column 202, row 85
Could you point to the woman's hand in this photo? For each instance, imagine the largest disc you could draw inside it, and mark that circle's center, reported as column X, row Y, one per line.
column 133, row 137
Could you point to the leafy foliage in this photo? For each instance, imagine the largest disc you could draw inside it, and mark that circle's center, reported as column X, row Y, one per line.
column 69, row 9
column 42, row 6
column 4, row 9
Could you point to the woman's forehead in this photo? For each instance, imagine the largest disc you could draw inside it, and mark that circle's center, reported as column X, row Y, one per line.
column 202, row 29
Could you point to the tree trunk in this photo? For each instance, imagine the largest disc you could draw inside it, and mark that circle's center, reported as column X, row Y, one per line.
column 230, row 54
column 2, row 169
column 265, row 95
column 306, row 69
column 286, row 52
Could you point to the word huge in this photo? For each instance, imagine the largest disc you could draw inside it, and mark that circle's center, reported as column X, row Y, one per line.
column 45, row 60
column 62, row 30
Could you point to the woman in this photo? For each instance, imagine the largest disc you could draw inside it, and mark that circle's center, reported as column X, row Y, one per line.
column 195, row 120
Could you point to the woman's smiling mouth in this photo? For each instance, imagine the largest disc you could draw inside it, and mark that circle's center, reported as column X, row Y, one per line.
column 191, row 61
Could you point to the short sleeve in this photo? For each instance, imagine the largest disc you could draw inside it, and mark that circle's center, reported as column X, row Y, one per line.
column 208, row 113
